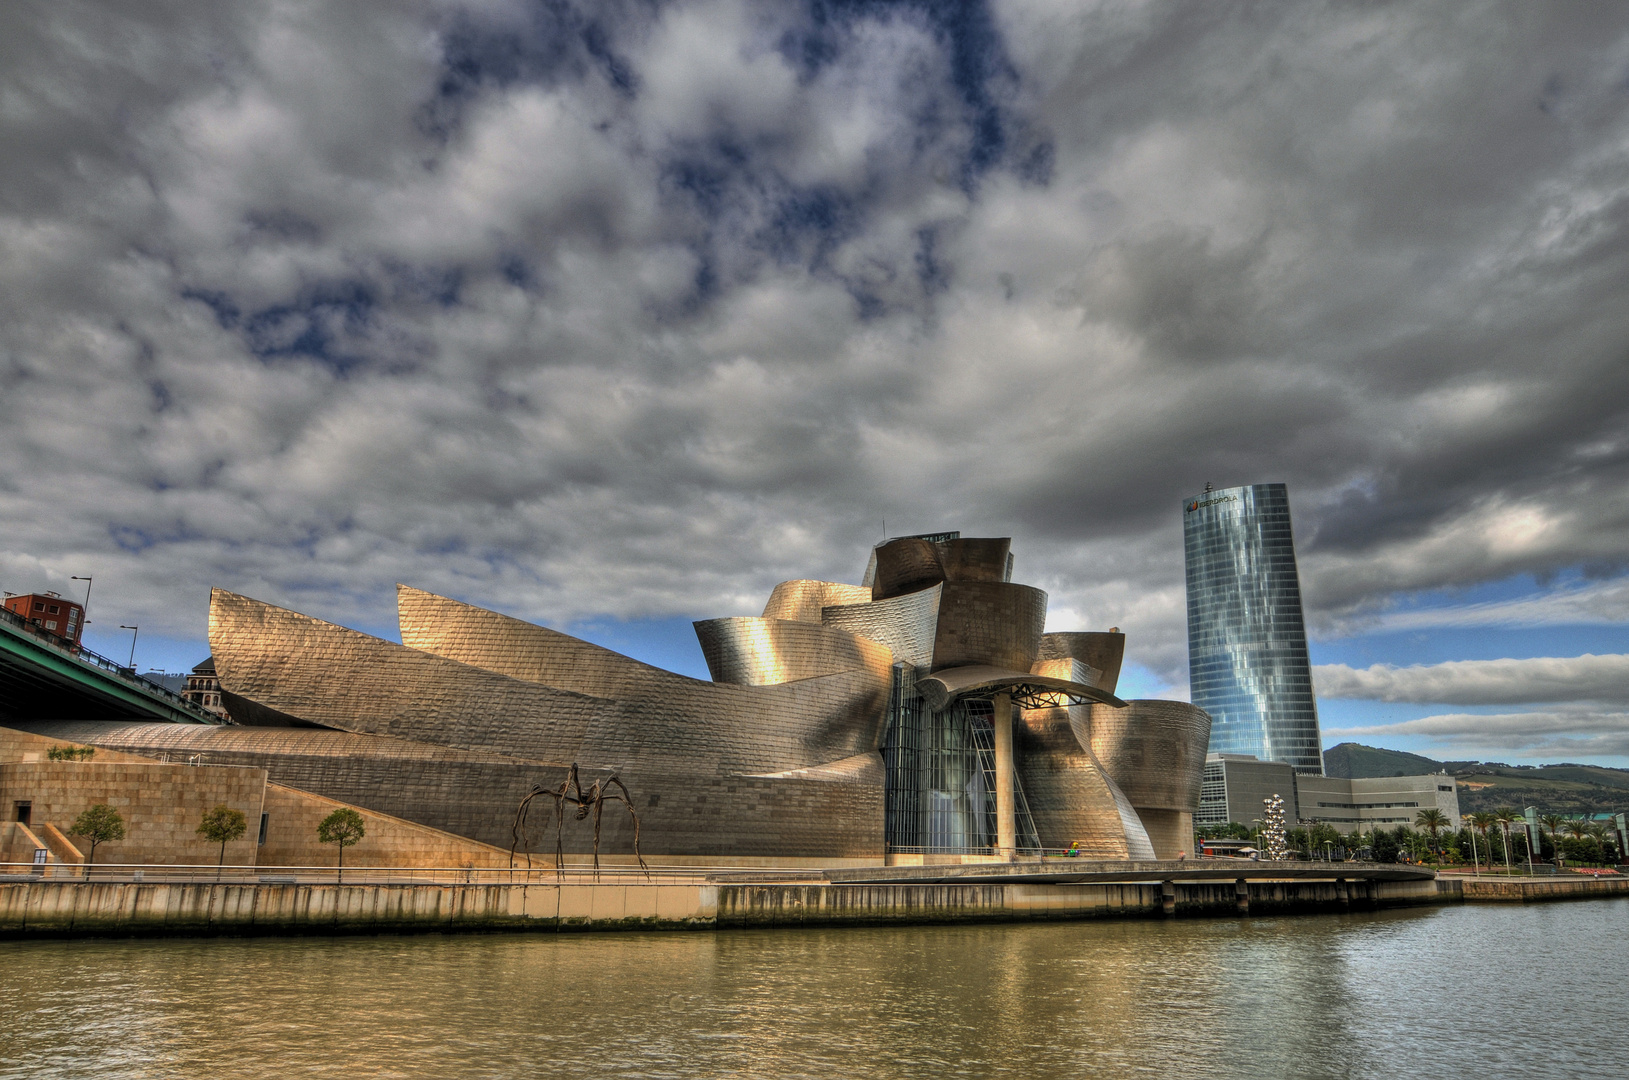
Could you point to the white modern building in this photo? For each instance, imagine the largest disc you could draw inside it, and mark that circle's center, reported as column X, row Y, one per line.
column 1235, row 785
column 1383, row 802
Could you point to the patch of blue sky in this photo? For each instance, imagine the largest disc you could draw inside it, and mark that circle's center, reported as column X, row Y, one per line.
column 154, row 652
column 1137, row 681
column 1567, row 614
column 668, row 642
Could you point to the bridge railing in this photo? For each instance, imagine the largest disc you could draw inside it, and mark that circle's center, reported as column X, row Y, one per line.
column 97, row 660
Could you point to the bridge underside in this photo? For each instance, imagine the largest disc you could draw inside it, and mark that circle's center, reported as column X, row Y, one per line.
column 42, row 682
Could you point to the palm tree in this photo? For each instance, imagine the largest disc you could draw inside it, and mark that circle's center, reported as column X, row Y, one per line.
column 1553, row 822
column 1577, row 828
column 1597, row 832
column 1482, row 821
column 1432, row 821
column 1505, row 816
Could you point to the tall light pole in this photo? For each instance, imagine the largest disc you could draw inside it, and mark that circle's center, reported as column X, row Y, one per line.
column 86, row 579
column 133, row 637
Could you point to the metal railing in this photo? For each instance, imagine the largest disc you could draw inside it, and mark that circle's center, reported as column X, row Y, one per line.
column 538, row 874
column 97, row 660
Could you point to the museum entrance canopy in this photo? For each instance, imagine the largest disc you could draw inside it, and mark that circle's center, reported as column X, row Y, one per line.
column 981, row 681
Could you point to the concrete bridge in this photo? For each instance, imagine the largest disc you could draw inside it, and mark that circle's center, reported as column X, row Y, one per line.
column 42, row 677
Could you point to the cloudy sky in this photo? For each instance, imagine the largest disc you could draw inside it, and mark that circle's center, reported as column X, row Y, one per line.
column 611, row 315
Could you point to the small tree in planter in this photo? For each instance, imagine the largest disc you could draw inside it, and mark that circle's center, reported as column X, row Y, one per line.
column 99, row 824
column 221, row 826
column 343, row 827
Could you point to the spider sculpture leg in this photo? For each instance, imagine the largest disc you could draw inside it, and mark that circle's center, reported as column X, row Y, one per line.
column 519, row 837
column 627, row 800
column 599, row 808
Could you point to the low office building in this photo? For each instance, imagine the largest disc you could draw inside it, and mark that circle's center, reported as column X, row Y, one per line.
column 1235, row 787
column 1384, row 802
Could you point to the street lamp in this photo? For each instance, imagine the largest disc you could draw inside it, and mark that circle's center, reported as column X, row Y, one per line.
column 86, row 579
column 133, row 637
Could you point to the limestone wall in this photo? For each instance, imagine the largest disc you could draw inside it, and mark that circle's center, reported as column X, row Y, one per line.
column 161, row 804
column 26, row 746
column 18, row 842
column 291, row 837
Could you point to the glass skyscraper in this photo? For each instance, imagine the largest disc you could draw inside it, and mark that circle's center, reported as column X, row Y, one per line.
column 1247, row 644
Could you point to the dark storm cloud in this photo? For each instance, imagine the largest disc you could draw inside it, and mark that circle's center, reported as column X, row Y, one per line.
column 636, row 309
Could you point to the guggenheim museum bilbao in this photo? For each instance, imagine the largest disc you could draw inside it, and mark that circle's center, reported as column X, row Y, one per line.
column 923, row 712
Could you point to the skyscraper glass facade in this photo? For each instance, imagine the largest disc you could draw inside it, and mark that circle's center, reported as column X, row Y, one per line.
column 1247, row 644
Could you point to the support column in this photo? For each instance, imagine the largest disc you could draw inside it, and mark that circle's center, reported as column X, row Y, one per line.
column 1006, row 804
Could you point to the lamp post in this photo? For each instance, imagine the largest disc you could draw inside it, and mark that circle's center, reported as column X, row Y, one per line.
column 86, row 579
column 133, row 637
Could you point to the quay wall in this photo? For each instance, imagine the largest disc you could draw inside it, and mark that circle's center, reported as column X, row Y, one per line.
column 1521, row 891
column 56, row 908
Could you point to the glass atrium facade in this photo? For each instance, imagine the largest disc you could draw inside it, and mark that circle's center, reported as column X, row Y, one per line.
column 940, row 795
column 1247, row 644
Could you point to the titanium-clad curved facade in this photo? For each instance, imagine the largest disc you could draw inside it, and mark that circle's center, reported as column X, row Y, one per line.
column 1155, row 751
column 1247, row 643
column 922, row 713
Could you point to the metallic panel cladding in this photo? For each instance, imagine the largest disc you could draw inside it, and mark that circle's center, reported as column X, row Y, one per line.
column 765, row 652
column 715, row 769
column 906, row 625
column 801, row 600
column 1155, row 751
column 1101, row 652
column 988, row 622
column 1247, row 643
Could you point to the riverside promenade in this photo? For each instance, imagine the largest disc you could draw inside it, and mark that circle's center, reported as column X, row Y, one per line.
column 187, row 901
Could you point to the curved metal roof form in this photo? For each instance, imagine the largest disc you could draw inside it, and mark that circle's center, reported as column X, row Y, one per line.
column 1028, row 691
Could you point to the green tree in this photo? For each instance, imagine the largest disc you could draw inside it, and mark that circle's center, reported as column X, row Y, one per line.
column 1384, row 846
column 1432, row 821
column 1554, row 823
column 99, row 824
column 343, row 827
column 221, row 826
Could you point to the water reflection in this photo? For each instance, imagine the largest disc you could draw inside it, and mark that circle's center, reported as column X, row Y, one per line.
column 1461, row 991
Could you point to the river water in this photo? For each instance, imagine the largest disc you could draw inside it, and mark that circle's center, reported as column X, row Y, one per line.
column 1463, row 991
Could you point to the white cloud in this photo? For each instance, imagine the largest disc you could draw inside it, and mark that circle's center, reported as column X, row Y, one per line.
column 1598, row 603
column 614, row 310
column 1569, row 734
column 1483, row 682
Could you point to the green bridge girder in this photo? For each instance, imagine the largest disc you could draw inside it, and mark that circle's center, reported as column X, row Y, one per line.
column 42, row 680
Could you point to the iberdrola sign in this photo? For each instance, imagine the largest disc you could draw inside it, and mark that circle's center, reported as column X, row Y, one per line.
column 1197, row 503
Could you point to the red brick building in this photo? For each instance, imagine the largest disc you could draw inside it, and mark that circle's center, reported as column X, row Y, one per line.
column 51, row 613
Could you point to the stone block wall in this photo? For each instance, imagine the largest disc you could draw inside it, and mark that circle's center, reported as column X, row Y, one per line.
column 17, row 843
column 161, row 805
column 291, row 837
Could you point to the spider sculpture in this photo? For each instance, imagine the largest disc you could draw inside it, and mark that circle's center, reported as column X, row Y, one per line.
column 593, row 799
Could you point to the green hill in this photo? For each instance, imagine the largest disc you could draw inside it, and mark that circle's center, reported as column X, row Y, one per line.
column 1354, row 761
